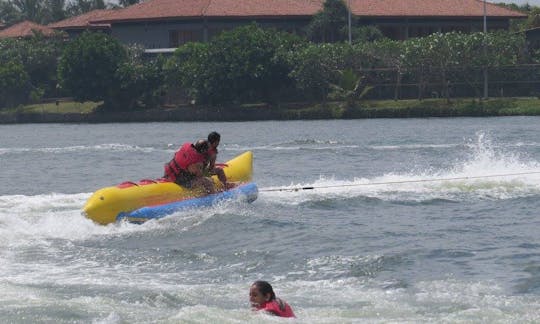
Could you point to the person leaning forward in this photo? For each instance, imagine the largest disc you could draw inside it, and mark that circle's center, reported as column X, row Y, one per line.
column 186, row 167
column 210, row 163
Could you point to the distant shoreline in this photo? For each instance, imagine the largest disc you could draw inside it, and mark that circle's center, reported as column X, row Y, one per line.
column 292, row 111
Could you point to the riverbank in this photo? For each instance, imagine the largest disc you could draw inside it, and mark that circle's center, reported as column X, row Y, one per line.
column 70, row 112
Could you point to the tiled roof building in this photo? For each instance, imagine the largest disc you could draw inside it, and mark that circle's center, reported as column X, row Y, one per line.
column 170, row 9
column 170, row 23
column 82, row 21
column 25, row 29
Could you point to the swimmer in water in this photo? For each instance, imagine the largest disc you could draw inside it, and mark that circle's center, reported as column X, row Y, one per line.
column 263, row 298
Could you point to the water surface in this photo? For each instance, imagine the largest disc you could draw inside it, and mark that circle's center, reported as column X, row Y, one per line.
column 410, row 220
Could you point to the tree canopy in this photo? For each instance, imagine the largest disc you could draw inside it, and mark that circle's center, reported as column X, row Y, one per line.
column 88, row 66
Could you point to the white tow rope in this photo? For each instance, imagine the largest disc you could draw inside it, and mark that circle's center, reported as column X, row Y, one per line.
column 399, row 182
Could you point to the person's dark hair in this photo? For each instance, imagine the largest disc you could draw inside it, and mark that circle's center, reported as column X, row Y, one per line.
column 201, row 146
column 214, row 137
column 265, row 288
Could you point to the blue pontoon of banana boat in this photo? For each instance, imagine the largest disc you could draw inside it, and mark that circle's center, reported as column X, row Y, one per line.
column 150, row 199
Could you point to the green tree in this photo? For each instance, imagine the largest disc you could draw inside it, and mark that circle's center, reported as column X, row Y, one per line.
column 492, row 51
column 8, row 13
column 39, row 11
column 88, row 68
column 351, row 87
column 329, row 25
column 316, row 66
column 386, row 53
column 186, row 69
column 242, row 65
column 363, row 34
column 417, row 61
column 33, row 10
column 39, row 56
column 14, row 89
column 141, row 81
column 55, row 10
column 127, row 3
column 78, row 7
column 40, row 61
column 435, row 58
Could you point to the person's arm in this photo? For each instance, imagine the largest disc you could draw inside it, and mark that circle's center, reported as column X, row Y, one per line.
column 212, row 162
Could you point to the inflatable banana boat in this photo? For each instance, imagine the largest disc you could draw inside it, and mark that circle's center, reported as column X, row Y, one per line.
column 150, row 199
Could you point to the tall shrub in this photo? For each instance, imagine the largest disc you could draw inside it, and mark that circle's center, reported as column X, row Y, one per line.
column 242, row 65
column 316, row 67
column 14, row 88
column 88, row 67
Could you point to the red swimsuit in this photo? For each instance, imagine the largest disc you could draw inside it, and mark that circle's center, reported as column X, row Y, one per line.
column 277, row 307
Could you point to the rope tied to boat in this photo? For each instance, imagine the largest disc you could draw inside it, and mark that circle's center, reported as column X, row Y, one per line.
column 398, row 182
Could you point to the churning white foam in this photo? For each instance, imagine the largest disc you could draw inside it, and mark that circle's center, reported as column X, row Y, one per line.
column 486, row 173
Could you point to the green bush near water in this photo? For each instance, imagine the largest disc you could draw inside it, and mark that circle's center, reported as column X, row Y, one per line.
column 341, row 109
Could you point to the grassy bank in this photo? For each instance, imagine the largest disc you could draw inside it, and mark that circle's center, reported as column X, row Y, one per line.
column 473, row 107
column 68, row 111
column 427, row 108
column 60, row 107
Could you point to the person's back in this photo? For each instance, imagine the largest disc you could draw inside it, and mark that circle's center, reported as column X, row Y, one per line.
column 277, row 307
column 186, row 167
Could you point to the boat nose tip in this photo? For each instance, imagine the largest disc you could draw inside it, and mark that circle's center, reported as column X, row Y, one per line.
column 89, row 209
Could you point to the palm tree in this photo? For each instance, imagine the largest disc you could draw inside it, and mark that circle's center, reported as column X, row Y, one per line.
column 33, row 10
column 351, row 87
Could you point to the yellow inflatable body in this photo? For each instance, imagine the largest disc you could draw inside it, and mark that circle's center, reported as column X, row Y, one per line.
column 106, row 204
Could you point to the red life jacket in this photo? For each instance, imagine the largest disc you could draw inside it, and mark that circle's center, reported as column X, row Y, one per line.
column 183, row 158
column 277, row 307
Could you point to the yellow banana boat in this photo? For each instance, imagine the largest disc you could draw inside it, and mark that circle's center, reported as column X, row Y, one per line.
column 107, row 205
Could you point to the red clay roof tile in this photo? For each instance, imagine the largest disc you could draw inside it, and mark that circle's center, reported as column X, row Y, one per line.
column 25, row 29
column 429, row 8
column 82, row 21
column 159, row 9
column 170, row 9
column 262, row 8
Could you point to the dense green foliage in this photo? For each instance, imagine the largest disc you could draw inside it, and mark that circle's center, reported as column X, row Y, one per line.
column 140, row 82
column 442, row 58
column 78, row 7
column 315, row 67
column 245, row 64
column 38, row 58
column 87, row 68
column 532, row 21
column 14, row 87
column 96, row 67
column 330, row 24
column 253, row 65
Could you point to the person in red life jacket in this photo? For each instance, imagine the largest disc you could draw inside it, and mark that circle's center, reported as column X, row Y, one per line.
column 211, row 157
column 263, row 298
column 186, row 167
